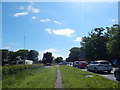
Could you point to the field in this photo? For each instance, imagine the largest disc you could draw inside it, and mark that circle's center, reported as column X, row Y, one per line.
column 74, row 78
column 31, row 78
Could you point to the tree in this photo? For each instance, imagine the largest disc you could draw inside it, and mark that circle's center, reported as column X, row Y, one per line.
column 74, row 54
column 94, row 45
column 12, row 56
column 23, row 54
column 58, row 59
column 47, row 57
column 4, row 53
column 33, row 55
column 113, row 45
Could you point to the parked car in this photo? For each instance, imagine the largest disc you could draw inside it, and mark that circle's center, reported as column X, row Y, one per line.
column 70, row 63
column 76, row 63
column 100, row 65
column 64, row 63
column 117, row 73
column 80, row 64
column 47, row 64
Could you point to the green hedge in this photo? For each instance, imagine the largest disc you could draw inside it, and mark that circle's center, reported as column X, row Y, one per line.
column 13, row 69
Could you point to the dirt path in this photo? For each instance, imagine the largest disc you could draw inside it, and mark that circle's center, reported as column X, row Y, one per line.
column 58, row 83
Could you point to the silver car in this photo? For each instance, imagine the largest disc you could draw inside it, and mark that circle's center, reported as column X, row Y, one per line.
column 101, row 65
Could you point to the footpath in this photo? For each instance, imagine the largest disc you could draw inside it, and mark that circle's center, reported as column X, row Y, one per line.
column 58, row 83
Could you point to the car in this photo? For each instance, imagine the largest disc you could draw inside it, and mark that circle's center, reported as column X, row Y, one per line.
column 117, row 73
column 80, row 64
column 70, row 63
column 64, row 63
column 100, row 65
column 76, row 63
column 47, row 64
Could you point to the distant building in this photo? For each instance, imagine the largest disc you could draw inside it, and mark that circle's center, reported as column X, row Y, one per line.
column 21, row 62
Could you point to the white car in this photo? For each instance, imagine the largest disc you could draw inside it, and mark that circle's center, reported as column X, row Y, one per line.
column 101, row 65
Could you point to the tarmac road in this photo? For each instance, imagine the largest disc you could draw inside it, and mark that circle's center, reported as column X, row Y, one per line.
column 109, row 76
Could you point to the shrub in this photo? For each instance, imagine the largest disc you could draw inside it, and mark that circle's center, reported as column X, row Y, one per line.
column 13, row 69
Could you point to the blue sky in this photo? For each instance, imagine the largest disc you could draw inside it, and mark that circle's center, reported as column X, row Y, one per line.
column 54, row 27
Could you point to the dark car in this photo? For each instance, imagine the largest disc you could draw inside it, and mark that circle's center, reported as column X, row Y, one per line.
column 117, row 73
column 47, row 64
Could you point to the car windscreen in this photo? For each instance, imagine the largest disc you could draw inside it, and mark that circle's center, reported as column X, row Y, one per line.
column 84, row 62
column 104, row 62
column 77, row 62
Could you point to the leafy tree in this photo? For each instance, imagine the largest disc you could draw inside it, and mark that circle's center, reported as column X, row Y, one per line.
column 33, row 55
column 58, row 59
column 74, row 54
column 94, row 45
column 47, row 57
column 12, row 56
column 113, row 45
column 4, row 55
column 23, row 54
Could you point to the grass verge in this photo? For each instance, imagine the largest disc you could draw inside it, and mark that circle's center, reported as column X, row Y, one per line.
column 74, row 78
column 34, row 78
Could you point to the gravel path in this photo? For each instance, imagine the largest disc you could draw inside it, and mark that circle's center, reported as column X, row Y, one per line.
column 58, row 83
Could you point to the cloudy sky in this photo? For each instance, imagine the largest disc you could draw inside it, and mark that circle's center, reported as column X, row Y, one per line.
column 53, row 26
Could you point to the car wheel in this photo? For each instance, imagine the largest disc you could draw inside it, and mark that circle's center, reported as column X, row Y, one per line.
column 87, row 69
column 117, row 75
column 95, row 70
column 109, row 71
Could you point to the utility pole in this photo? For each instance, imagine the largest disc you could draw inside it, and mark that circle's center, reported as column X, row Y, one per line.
column 24, row 45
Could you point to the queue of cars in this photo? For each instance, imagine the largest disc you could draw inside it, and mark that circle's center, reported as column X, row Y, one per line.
column 96, row 66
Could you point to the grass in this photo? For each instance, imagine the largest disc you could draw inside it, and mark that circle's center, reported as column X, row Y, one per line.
column 74, row 78
column 35, row 78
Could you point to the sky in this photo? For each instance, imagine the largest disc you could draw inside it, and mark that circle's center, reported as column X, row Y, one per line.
column 53, row 26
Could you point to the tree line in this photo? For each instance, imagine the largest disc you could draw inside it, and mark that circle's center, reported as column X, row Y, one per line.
column 23, row 54
column 100, row 44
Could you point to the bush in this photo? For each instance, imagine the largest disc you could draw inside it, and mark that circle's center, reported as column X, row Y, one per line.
column 13, row 69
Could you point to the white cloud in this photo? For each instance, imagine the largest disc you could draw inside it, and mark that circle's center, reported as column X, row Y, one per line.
column 7, row 47
column 78, row 39
column 33, row 17
column 33, row 9
column 20, row 14
column 57, row 22
column 114, row 20
column 48, row 30
column 49, row 50
column 52, row 50
column 49, row 20
column 21, row 7
column 45, row 20
column 64, row 32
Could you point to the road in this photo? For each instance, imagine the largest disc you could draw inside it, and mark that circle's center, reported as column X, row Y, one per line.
column 105, row 74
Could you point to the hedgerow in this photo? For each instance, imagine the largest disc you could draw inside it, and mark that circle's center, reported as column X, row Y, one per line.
column 13, row 69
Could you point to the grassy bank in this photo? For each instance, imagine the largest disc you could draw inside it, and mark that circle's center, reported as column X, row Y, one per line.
column 75, row 78
column 31, row 78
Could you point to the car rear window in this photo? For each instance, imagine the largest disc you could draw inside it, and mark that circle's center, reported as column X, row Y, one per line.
column 104, row 62
column 84, row 62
